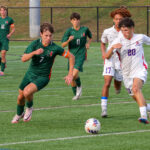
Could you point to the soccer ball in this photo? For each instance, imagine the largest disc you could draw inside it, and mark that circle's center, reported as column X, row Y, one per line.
column 92, row 125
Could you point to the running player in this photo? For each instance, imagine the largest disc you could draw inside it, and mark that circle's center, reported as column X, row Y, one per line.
column 112, row 65
column 42, row 53
column 5, row 24
column 133, row 64
column 76, row 39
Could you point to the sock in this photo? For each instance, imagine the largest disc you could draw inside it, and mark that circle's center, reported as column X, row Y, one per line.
column 78, row 82
column 29, row 104
column 148, row 107
column 20, row 110
column 143, row 112
column 2, row 66
column 74, row 89
column 104, row 102
column 0, row 60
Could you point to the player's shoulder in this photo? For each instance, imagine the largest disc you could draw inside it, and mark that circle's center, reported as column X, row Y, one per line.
column 55, row 46
column 35, row 42
column 69, row 29
column 108, row 30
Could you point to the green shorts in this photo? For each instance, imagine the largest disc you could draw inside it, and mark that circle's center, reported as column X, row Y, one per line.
column 79, row 61
column 39, row 81
column 4, row 44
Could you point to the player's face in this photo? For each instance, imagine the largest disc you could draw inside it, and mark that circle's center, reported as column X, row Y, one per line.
column 117, row 18
column 127, row 32
column 3, row 12
column 75, row 22
column 46, row 37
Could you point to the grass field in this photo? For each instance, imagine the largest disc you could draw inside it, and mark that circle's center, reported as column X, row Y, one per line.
column 58, row 122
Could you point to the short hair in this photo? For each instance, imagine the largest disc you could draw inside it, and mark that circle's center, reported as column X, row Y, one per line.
column 126, row 22
column 46, row 27
column 3, row 7
column 121, row 11
column 75, row 15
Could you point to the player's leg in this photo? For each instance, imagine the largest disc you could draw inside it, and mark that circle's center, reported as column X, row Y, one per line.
column 117, row 86
column 76, row 84
column 20, row 107
column 105, row 94
column 118, row 80
column 3, row 61
column 138, row 96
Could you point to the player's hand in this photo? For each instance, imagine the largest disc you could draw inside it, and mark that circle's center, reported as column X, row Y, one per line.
column 39, row 51
column 8, row 36
column 71, row 38
column 68, row 79
column 87, row 45
column 117, row 46
column 103, row 56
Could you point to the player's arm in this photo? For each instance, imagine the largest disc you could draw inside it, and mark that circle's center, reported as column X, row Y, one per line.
column 64, row 44
column 88, row 43
column 103, row 49
column 12, row 28
column 69, row 77
column 28, row 56
column 112, row 49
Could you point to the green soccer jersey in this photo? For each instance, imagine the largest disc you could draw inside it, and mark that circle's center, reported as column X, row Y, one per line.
column 41, row 64
column 5, row 26
column 77, row 45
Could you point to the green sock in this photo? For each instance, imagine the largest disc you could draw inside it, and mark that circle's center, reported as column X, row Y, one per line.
column 0, row 60
column 20, row 109
column 29, row 104
column 2, row 66
column 78, row 82
column 74, row 90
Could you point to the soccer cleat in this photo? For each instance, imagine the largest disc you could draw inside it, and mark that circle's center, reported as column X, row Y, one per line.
column 104, row 113
column 28, row 114
column 79, row 91
column 17, row 118
column 75, row 97
column 1, row 73
column 118, row 91
column 143, row 120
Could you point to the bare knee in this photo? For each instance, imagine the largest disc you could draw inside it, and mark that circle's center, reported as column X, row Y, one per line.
column 135, row 89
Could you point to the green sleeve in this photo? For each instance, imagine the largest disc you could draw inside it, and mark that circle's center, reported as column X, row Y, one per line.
column 11, row 21
column 30, row 48
column 66, row 36
column 60, row 50
column 89, row 34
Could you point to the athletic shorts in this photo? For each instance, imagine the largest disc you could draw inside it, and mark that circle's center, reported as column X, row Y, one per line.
column 39, row 81
column 4, row 44
column 110, row 71
column 128, row 81
column 78, row 63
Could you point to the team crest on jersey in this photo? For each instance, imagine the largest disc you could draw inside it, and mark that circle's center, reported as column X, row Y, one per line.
column 51, row 53
column 83, row 34
column 137, row 43
column 6, row 22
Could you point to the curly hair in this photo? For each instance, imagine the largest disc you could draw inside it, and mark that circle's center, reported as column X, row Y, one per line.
column 121, row 11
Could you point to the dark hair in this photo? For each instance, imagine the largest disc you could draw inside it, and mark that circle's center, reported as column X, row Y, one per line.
column 75, row 16
column 121, row 11
column 126, row 22
column 3, row 7
column 46, row 26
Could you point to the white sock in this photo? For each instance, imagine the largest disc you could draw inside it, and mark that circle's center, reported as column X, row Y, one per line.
column 104, row 102
column 148, row 107
column 143, row 112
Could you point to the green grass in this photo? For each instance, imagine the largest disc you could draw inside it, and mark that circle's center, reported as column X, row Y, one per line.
column 60, row 117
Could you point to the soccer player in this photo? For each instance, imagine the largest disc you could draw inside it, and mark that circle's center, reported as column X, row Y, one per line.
column 76, row 39
column 133, row 64
column 42, row 53
column 6, row 23
column 112, row 65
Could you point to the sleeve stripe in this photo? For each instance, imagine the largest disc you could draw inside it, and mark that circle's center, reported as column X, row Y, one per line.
column 65, row 54
column 12, row 25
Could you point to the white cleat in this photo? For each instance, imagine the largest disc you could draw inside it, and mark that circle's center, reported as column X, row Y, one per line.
column 28, row 114
column 104, row 113
column 78, row 93
column 17, row 118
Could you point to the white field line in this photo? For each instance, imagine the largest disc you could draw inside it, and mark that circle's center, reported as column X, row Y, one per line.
column 75, row 137
column 73, row 106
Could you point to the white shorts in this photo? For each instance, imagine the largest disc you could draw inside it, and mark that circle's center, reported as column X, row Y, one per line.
column 110, row 71
column 128, row 81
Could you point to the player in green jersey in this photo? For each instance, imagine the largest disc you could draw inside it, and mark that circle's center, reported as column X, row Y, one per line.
column 42, row 53
column 76, row 39
column 5, row 24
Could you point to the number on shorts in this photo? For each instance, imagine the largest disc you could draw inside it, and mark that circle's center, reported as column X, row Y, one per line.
column 108, row 69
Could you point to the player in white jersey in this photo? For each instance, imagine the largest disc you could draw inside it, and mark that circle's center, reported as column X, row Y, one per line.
column 133, row 64
column 112, row 65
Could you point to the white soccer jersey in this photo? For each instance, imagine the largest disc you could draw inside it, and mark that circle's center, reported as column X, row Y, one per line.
column 108, row 36
column 132, row 54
